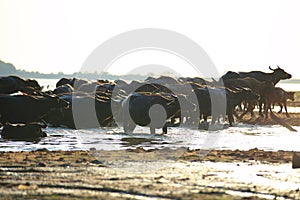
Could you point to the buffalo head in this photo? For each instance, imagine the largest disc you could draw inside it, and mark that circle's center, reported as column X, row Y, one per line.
column 280, row 73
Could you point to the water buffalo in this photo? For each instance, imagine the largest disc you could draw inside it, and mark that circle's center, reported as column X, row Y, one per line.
column 162, row 80
column 280, row 97
column 28, row 132
column 149, row 109
column 96, row 87
column 88, row 87
column 74, row 82
column 80, row 113
column 106, row 87
column 64, row 81
column 217, row 102
column 196, row 80
column 274, row 77
column 65, row 89
column 26, row 109
column 229, row 75
column 12, row 84
column 234, row 98
column 263, row 88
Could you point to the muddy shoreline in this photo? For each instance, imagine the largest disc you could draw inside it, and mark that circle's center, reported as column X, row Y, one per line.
column 82, row 175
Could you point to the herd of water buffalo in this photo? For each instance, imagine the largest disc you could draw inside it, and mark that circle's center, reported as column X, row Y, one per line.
column 25, row 107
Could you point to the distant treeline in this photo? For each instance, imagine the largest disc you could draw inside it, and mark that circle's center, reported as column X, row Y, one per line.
column 7, row 69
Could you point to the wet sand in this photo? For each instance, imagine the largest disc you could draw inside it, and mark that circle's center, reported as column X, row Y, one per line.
column 83, row 175
column 151, row 174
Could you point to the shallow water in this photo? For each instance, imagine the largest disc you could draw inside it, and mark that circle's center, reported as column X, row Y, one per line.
column 241, row 137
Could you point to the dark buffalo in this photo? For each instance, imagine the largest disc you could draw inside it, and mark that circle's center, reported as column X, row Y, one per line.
column 274, row 77
column 141, row 108
column 106, row 87
column 234, row 98
column 25, row 109
column 196, row 80
column 221, row 101
column 280, row 97
column 28, row 132
column 162, row 80
column 120, row 82
column 153, row 88
column 74, row 82
column 64, row 81
column 229, row 75
column 65, row 89
column 12, row 84
column 88, row 87
column 96, row 87
column 80, row 113
column 277, row 75
column 132, row 86
column 263, row 88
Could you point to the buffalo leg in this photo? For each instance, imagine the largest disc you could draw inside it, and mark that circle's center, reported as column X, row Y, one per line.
column 260, row 107
column 249, row 109
column 165, row 129
column 267, row 108
column 214, row 119
column 230, row 119
column 128, row 127
column 280, row 105
column 285, row 108
column 152, row 130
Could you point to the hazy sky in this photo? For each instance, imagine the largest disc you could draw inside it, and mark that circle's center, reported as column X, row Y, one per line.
column 58, row 35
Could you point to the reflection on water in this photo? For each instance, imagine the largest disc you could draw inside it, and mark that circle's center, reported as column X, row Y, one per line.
column 241, row 137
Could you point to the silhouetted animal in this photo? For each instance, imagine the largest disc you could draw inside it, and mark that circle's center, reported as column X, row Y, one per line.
column 280, row 97
column 12, row 84
column 31, row 131
column 141, row 108
column 264, row 89
column 83, row 112
column 274, row 77
column 25, row 109
column 65, row 89
column 217, row 102
column 74, row 82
